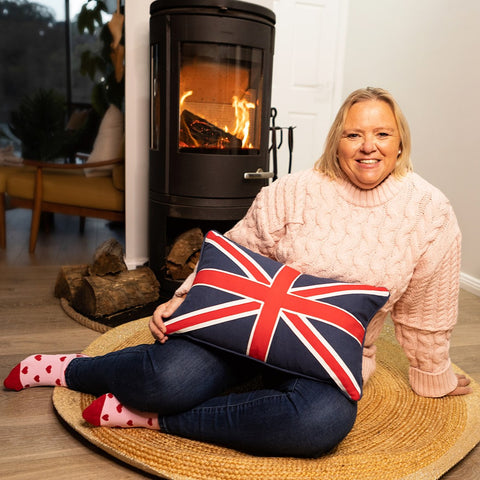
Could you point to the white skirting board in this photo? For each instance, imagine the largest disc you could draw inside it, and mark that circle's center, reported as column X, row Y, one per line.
column 133, row 263
column 469, row 283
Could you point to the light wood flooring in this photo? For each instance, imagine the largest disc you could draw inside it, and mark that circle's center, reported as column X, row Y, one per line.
column 34, row 442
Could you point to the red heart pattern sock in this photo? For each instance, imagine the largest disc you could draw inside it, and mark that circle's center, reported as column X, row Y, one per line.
column 107, row 411
column 40, row 370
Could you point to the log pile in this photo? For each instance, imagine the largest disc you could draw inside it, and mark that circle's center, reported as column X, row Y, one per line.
column 184, row 254
column 107, row 286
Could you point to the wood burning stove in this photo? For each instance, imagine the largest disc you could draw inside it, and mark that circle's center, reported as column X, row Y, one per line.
column 211, row 75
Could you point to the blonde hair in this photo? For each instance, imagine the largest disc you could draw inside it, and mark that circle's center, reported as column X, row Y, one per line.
column 328, row 162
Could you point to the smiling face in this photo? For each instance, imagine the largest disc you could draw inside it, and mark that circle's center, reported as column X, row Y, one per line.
column 370, row 143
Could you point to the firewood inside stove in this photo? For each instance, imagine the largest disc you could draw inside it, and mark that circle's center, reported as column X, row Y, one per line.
column 198, row 132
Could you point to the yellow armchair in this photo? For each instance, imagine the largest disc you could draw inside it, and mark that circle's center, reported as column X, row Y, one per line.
column 64, row 188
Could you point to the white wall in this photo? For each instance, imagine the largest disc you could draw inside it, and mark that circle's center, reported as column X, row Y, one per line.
column 425, row 52
column 137, row 105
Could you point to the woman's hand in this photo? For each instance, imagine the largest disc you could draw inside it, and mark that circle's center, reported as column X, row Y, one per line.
column 462, row 386
column 165, row 310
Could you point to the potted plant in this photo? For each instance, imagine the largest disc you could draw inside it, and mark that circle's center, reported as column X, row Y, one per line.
column 39, row 123
column 106, row 66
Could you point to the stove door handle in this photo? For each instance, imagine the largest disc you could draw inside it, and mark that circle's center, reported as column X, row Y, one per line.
column 258, row 175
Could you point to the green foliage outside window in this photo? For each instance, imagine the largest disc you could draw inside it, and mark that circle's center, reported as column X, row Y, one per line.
column 97, row 64
column 39, row 123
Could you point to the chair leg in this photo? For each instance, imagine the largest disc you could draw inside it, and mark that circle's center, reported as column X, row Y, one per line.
column 82, row 224
column 3, row 233
column 34, row 227
column 37, row 211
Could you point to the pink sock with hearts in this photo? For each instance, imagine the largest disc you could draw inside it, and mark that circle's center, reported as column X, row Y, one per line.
column 107, row 411
column 40, row 370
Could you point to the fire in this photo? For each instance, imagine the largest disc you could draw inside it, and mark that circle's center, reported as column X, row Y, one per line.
column 184, row 96
column 241, row 128
column 242, row 122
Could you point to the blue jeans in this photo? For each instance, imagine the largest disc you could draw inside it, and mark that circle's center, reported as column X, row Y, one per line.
column 192, row 388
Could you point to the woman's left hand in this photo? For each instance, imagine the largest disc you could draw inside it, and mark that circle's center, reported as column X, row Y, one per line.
column 462, row 386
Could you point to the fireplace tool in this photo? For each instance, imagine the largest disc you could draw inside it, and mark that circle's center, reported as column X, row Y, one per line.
column 274, row 147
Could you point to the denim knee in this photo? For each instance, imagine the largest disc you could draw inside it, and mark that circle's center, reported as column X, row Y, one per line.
column 320, row 429
column 319, row 417
column 177, row 376
column 159, row 388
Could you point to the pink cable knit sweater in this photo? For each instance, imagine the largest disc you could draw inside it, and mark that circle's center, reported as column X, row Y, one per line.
column 402, row 234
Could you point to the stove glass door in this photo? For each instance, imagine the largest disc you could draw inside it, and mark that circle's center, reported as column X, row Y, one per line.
column 220, row 99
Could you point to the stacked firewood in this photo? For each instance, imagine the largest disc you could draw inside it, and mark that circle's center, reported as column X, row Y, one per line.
column 184, row 254
column 106, row 286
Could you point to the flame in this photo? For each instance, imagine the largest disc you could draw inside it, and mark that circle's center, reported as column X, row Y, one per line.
column 242, row 118
column 184, row 96
column 242, row 122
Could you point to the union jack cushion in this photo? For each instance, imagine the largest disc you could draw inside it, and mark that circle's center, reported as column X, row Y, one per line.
column 253, row 306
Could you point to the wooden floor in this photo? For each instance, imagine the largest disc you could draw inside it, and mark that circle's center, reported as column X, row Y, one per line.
column 34, row 442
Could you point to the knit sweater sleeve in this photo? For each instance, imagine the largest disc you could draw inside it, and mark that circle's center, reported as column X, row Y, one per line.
column 427, row 311
column 274, row 207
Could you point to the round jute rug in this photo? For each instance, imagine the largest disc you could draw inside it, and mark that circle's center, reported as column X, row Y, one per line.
column 397, row 435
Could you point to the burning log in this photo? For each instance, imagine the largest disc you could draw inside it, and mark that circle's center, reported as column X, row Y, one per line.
column 197, row 132
column 184, row 254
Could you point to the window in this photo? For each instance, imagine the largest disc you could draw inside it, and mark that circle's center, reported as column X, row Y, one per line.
column 39, row 48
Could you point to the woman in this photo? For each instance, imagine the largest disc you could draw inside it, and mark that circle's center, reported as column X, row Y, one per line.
column 360, row 215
